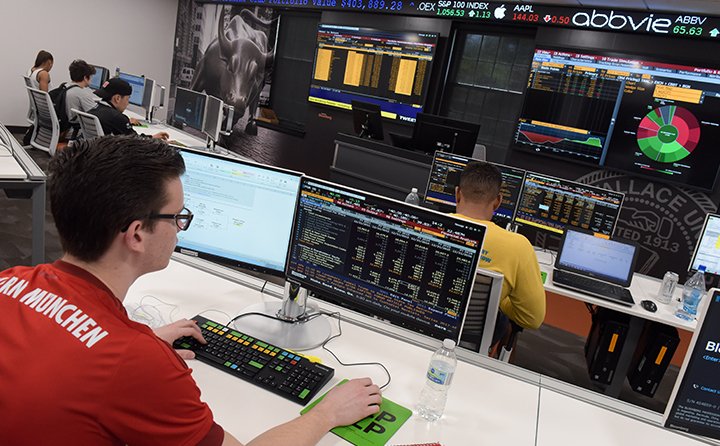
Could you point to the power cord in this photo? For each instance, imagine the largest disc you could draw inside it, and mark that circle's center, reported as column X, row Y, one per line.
column 349, row 364
column 309, row 317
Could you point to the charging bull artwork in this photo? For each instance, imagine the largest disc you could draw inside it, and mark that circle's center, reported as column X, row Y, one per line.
column 235, row 64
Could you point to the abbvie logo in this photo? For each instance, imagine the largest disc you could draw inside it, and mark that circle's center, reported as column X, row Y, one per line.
column 619, row 22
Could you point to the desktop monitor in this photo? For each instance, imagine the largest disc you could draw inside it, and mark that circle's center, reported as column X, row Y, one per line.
column 138, row 87
column 213, row 118
column 445, row 176
column 707, row 249
column 409, row 266
column 367, row 120
column 432, row 133
column 148, row 94
column 101, row 75
column 550, row 204
column 243, row 211
column 189, row 108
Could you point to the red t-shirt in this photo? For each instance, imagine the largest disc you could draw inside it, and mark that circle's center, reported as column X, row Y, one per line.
column 74, row 368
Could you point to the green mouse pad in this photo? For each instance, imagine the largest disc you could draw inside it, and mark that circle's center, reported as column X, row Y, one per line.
column 374, row 430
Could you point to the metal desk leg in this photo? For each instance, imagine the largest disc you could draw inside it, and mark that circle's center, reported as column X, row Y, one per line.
column 38, row 223
column 621, row 371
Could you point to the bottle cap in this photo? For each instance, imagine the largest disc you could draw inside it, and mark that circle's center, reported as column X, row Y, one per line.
column 449, row 344
column 414, row 189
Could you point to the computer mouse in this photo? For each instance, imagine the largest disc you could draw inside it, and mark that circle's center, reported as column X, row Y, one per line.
column 649, row 305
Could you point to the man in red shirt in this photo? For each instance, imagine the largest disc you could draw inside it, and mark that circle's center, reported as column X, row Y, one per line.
column 74, row 369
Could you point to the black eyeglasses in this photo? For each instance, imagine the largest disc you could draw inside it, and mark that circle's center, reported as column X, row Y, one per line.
column 182, row 219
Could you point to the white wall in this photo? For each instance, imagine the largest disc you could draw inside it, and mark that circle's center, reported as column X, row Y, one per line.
column 135, row 35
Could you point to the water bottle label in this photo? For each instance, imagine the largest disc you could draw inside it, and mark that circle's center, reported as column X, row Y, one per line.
column 437, row 376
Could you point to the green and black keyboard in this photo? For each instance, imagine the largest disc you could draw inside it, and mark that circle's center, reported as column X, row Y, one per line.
column 272, row 368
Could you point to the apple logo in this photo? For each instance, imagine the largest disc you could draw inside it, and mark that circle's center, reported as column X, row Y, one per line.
column 500, row 12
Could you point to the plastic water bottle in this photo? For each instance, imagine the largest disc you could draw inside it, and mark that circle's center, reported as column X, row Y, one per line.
column 439, row 377
column 413, row 197
column 692, row 293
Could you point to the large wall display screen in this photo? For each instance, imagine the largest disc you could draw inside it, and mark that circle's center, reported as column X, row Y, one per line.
column 387, row 68
column 647, row 118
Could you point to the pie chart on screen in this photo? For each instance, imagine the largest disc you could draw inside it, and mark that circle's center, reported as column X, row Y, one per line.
column 668, row 134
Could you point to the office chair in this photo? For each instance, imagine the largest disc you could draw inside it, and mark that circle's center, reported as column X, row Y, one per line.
column 509, row 343
column 31, row 109
column 90, row 126
column 483, row 308
column 47, row 128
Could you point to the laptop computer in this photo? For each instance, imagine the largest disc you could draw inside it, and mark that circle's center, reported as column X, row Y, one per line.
column 601, row 267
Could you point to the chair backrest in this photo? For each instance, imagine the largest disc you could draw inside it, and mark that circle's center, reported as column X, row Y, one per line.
column 47, row 128
column 31, row 109
column 482, row 312
column 89, row 124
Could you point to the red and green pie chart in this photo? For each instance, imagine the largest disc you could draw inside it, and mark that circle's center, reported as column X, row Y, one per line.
column 668, row 134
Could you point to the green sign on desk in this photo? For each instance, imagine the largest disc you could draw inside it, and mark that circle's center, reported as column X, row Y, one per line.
column 374, row 430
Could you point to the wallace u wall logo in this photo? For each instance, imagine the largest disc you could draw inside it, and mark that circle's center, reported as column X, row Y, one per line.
column 665, row 220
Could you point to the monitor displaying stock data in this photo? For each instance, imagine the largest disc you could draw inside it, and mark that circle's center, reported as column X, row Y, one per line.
column 445, row 176
column 550, row 204
column 707, row 249
column 412, row 267
column 243, row 211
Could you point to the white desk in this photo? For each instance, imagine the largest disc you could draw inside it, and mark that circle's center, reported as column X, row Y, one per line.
column 184, row 138
column 564, row 420
column 642, row 288
column 484, row 406
column 21, row 177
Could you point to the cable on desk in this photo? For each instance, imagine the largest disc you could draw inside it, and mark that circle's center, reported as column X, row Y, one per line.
column 213, row 310
column 349, row 364
column 263, row 287
column 255, row 313
column 155, row 318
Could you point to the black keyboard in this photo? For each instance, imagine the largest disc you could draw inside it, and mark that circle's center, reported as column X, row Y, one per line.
column 597, row 288
column 267, row 366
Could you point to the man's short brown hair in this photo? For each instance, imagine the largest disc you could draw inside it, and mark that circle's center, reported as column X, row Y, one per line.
column 480, row 182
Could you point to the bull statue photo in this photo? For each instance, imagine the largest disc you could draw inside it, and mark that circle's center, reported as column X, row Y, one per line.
column 234, row 66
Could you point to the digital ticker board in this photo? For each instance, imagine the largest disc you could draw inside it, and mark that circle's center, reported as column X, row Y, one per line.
column 643, row 22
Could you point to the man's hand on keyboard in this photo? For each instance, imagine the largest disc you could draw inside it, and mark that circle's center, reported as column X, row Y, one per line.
column 350, row 402
column 171, row 332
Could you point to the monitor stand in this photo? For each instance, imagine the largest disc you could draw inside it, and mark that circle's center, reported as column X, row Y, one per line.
column 293, row 331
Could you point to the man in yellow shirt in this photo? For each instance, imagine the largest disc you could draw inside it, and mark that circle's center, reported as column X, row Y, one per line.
column 523, row 295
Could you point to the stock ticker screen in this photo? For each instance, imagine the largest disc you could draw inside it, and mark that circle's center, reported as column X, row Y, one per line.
column 410, row 266
column 647, row 118
column 550, row 204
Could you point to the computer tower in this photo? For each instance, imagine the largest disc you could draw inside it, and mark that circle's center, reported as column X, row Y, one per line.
column 655, row 350
column 604, row 343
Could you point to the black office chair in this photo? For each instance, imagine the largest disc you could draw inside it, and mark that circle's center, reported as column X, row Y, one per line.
column 509, row 344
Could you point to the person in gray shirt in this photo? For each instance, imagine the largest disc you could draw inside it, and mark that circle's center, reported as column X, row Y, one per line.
column 82, row 98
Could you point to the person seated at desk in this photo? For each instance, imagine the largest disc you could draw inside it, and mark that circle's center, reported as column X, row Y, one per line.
column 79, row 96
column 523, row 295
column 115, row 97
column 39, row 74
column 75, row 368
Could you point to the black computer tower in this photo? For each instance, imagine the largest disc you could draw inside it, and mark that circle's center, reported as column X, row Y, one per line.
column 604, row 343
column 655, row 350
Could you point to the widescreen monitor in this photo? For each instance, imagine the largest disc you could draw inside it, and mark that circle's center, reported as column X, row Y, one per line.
column 189, row 108
column 101, row 75
column 367, row 121
column 445, row 176
column 243, row 211
column 646, row 117
column 551, row 204
column 388, row 68
column 409, row 266
column 432, row 133
column 213, row 118
column 707, row 249
column 137, row 83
